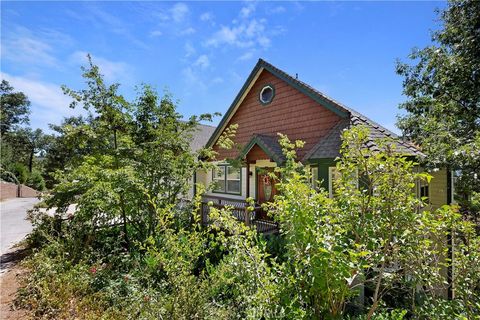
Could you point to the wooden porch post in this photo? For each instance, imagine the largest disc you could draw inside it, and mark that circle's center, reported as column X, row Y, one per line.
column 247, row 214
column 248, row 180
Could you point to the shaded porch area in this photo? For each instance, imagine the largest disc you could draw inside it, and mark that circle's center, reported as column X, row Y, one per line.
column 239, row 210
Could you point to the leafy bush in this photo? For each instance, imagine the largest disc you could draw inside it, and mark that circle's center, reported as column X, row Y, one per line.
column 36, row 181
column 21, row 172
column 131, row 250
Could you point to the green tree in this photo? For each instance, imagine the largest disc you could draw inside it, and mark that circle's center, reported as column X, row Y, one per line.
column 36, row 181
column 20, row 172
column 401, row 243
column 374, row 233
column 32, row 143
column 15, row 108
column 68, row 145
column 133, row 158
column 14, row 111
column 442, row 85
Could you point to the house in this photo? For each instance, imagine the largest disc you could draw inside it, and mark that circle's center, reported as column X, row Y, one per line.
column 270, row 102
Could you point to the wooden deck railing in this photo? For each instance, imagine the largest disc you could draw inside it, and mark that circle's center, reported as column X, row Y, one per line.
column 239, row 209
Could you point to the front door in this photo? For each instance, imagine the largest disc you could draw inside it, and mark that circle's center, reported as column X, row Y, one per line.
column 265, row 185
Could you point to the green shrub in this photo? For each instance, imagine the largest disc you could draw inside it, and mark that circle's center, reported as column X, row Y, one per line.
column 36, row 181
column 21, row 172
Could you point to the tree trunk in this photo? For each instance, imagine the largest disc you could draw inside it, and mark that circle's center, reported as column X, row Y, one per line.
column 30, row 160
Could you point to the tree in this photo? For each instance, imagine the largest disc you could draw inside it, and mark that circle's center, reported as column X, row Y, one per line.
column 68, row 145
column 132, row 158
column 34, row 142
column 14, row 108
column 442, row 85
column 374, row 232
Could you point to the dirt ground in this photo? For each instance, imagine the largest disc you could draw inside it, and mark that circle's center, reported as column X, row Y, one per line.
column 9, row 284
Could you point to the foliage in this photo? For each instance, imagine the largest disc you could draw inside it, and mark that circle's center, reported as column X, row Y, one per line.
column 21, row 173
column 36, row 181
column 21, row 146
column 130, row 252
column 375, row 233
column 133, row 158
column 68, row 147
column 15, row 108
column 442, row 84
column 386, row 221
column 30, row 143
column 319, row 258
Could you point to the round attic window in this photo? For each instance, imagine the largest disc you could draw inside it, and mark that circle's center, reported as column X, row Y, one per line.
column 266, row 94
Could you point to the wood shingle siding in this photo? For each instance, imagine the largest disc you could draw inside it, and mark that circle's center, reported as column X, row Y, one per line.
column 256, row 153
column 291, row 112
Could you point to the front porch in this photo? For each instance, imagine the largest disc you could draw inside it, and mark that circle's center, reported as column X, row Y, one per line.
column 239, row 211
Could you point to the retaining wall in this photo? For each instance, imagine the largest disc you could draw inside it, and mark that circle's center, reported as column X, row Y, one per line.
column 11, row 190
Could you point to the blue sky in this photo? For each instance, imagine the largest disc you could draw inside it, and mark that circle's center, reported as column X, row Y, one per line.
column 203, row 51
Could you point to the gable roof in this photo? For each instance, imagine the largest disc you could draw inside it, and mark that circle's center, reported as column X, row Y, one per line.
column 329, row 145
column 200, row 136
column 268, row 144
column 351, row 116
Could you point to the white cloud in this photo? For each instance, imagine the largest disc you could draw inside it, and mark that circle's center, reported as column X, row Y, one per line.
column 278, row 9
column 49, row 104
column 248, row 10
column 206, row 16
column 243, row 35
column 179, row 12
column 246, row 31
column 107, row 21
column 217, row 80
column 173, row 20
column 112, row 70
column 246, row 56
column 193, row 80
column 22, row 45
column 187, row 31
column 28, row 50
column 202, row 62
column 264, row 41
column 156, row 33
column 189, row 49
column 44, row 94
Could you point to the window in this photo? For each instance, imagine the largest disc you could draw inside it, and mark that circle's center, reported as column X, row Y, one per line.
column 333, row 175
column 424, row 190
column 453, row 194
column 267, row 94
column 314, row 177
column 227, row 179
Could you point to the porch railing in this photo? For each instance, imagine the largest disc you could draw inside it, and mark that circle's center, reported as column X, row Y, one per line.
column 239, row 209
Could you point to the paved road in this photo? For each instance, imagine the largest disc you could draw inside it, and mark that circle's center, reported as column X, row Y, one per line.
column 13, row 225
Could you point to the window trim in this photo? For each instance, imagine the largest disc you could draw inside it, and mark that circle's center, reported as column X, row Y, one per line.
column 330, row 181
column 271, row 86
column 314, row 178
column 225, row 171
column 425, row 185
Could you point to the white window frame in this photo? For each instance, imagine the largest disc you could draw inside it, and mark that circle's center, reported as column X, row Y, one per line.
column 330, row 180
column 225, row 167
column 314, row 176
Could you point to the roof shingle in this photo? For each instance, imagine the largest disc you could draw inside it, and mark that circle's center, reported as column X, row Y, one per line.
column 333, row 138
